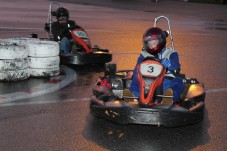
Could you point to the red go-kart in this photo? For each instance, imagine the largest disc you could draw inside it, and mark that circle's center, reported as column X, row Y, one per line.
column 112, row 99
column 82, row 51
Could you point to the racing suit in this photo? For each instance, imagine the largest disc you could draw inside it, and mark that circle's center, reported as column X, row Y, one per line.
column 61, row 33
column 170, row 81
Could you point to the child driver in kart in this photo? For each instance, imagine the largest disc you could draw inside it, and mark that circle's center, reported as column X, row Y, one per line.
column 154, row 44
column 60, row 29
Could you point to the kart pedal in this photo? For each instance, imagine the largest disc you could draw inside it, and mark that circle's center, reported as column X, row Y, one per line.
column 168, row 100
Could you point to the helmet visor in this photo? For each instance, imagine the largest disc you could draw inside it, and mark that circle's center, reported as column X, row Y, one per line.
column 63, row 18
column 153, row 41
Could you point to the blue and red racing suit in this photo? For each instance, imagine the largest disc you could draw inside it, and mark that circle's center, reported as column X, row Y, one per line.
column 170, row 60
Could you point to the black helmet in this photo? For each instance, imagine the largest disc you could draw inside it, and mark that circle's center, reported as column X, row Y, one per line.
column 62, row 12
column 154, row 33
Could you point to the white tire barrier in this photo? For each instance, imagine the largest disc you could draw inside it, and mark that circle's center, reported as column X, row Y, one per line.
column 24, row 57
column 43, row 49
column 35, row 72
column 44, row 58
column 22, row 40
column 48, row 62
column 10, row 50
column 13, row 64
column 13, row 61
column 14, row 75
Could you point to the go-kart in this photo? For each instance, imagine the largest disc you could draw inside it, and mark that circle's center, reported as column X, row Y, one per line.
column 82, row 51
column 112, row 99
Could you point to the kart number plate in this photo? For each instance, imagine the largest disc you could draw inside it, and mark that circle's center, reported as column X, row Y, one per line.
column 80, row 34
column 153, row 70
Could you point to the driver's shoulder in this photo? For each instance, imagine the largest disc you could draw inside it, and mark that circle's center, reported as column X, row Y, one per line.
column 71, row 22
column 145, row 54
column 170, row 50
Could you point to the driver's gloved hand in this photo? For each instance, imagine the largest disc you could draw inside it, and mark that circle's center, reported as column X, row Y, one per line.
column 166, row 62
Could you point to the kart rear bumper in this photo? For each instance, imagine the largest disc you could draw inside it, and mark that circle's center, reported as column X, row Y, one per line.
column 91, row 58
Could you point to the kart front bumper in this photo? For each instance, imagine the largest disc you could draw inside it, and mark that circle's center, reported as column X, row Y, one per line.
column 161, row 115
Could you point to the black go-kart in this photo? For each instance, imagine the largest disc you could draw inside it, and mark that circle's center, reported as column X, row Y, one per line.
column 82, row 51
column 112, row 99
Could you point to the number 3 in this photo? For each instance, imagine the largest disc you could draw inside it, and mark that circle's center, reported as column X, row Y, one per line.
column 150, row 69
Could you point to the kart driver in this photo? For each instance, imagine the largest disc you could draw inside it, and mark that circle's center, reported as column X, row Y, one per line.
column 60, row 29
column 154, row 45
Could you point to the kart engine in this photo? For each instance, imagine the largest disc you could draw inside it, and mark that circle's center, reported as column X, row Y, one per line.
column 117, row 87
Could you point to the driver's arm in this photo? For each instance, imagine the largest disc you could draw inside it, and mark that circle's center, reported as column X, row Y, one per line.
column 174, row 67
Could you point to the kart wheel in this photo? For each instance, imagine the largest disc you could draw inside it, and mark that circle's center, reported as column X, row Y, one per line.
column 47, row 62
column 36, row 72
column 14, row 75
column 43, row 49
column 13, row 64
column 10, row 50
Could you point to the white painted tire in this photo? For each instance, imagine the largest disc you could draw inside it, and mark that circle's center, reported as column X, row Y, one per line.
column 35, row 72
column 47, row 62
column 43, row 48
column 14, row 75
column 22, row 40
column 10, row 50
column 13, row 64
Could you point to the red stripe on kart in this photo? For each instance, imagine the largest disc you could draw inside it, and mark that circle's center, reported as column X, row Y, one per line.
column 81, row 42
column 153, row 86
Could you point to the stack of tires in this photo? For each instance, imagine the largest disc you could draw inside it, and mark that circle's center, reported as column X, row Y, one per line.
column 24, row 57
column 44, row 58
column 13, row 61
